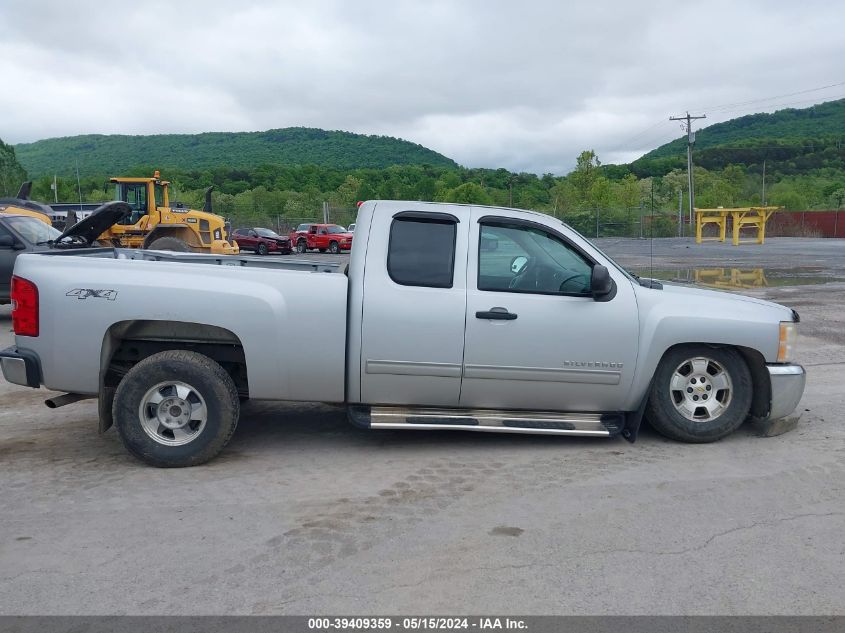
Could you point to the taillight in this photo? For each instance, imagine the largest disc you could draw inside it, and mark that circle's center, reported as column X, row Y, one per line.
column 24, row 295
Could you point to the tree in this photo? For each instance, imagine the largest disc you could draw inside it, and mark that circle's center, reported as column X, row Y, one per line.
column 838, row 196
column 11, row 172
column 468, row 193
column 629, row 192
column 584, row 176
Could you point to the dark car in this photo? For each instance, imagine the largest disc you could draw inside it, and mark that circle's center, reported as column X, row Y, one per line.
column 262, row 241
column 20, row 234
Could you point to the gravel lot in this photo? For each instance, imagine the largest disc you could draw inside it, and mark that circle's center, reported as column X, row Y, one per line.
column 305, row 514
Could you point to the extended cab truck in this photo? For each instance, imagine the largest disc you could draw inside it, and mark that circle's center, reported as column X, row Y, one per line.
column 323, row 237
column 530, row 330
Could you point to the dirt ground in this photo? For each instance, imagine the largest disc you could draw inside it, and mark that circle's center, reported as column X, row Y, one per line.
column 305, row 514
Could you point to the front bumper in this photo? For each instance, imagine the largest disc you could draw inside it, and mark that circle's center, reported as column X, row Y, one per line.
column 20, row 367
column 222, row 247
column 787, row 388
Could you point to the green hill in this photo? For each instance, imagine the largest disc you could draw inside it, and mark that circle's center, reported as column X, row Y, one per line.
column 115, row 154
column 791, row 141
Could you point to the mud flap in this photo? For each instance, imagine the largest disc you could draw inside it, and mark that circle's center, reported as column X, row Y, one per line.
column 634, row 419
column 104, row 406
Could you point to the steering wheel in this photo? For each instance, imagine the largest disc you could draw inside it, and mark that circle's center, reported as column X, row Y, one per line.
column 561, row 287
column 516, row 282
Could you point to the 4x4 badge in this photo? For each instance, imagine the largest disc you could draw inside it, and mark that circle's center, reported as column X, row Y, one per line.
column 84, row 293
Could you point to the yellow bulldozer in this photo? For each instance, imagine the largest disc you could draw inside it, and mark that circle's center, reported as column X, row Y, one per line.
column 154, row 224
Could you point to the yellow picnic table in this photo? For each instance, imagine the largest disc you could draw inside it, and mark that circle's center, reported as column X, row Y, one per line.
column 741, row 217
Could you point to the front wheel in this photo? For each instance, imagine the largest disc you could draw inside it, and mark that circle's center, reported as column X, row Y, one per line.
column 175, row 409
column 262, row 249
column 301, row 247
column 334, row 249
column 699, row 393
column 170, row 243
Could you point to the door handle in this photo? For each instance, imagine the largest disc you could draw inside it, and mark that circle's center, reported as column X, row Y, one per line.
column 499, row 314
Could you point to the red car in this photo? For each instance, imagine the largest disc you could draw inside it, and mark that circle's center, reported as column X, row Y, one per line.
column 324, row 237
column 262, row 241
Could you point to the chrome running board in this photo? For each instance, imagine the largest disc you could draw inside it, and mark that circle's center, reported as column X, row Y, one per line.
column 488, row 420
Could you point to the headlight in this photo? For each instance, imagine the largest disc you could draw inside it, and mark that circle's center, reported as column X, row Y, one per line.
column 786, row 342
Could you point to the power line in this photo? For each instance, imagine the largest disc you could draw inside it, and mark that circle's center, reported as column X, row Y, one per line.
column 814, row 100
column 788, row 94
column 626, row 142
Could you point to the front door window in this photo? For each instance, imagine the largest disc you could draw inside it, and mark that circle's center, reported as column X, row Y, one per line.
column 521, row 258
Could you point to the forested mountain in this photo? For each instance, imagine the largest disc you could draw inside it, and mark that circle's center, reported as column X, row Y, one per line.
column 284, row 176
column 791, row 141
column 11, row 172
column 114, row 154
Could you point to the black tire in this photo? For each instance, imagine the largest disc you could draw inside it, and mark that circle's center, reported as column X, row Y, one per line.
column 665, row 403
column 262, row 249
column 301, row 246
column 170, row 244
column 334, row 249
column 207, row 379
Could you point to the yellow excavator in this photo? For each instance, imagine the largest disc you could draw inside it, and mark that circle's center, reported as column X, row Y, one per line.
column 154, row 224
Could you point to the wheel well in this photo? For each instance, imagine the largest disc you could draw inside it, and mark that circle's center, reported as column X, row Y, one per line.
column 128, row 342
column 761, row 399
column 762, row 389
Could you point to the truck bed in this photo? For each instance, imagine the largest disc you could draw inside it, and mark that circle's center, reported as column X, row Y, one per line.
column 289, row 316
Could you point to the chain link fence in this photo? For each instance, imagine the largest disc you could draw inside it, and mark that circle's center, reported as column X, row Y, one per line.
column 634, row 222
column 250, row 217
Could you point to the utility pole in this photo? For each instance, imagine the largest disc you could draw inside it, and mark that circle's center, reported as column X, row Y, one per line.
column 690, row 141
column 680, row 213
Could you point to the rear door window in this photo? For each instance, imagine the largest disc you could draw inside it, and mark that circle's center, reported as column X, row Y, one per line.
column 422, row 252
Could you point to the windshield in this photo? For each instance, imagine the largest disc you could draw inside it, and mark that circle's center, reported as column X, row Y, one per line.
column 33, row 230
column 266, row 233
column 334, row 228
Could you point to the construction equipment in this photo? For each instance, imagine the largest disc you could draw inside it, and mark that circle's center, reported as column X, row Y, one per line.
column 755, row 217
column 154, row 224
column 22, row 205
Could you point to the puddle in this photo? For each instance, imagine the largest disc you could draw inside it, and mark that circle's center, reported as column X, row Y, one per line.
column 738, row 278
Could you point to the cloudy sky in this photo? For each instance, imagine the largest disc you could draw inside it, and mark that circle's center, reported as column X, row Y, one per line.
column 522, row 85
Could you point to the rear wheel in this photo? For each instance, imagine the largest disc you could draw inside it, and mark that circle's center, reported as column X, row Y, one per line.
column 170, row 244
column 699, row 393
column 262, row 249
column 333, row 248
column 176, row 408
column 301, row 247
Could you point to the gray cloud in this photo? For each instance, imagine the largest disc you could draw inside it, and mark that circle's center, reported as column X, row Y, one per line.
column 495, row 84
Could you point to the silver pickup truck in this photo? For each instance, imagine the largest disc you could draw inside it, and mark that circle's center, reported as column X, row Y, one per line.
column 447, row 317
